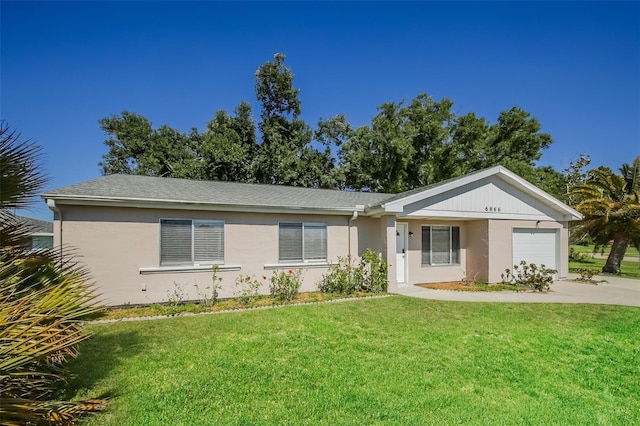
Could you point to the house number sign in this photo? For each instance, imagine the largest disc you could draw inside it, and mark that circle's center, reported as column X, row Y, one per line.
column 491, row 209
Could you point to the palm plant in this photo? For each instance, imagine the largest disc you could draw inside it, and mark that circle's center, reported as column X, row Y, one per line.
column 41, row 301
column 610, row 204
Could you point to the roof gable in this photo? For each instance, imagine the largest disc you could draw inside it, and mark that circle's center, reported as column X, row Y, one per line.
column 490, row 193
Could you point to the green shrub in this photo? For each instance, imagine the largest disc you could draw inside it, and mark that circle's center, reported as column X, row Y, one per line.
column 285, row 285
column 586, row 276
column 247, row 289
column 374, row 272
column 341, row 278
column 576, row 256
column 530, row 275
column 369, row 275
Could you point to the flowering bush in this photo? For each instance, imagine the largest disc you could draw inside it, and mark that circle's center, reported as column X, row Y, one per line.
column 342, row 277
column 530, row 275
column 247, row 288
column 285, row 285
column 369, row 275
column 374, row 272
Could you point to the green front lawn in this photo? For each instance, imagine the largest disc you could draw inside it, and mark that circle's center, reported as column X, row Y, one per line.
column 631, row 251
column 629, row 268
column 394, row 360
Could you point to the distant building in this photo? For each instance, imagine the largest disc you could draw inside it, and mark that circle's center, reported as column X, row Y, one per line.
column 41, row 235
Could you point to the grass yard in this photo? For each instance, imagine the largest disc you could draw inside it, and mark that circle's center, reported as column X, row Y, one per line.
column 629, row 268
column 394, row 360
column 631, row 251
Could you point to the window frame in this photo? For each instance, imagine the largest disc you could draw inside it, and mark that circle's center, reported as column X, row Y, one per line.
column 303, row 258
column 193, row 261
column 454, row 246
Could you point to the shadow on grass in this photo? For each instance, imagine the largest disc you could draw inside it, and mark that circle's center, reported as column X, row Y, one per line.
column 99, row 356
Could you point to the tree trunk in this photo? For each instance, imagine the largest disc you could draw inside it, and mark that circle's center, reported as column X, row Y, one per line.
column 618, row 249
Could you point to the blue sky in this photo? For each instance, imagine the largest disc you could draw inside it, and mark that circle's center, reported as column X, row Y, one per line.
column 575, row 66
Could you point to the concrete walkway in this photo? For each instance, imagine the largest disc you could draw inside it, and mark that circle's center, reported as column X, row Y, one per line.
column 616, row 291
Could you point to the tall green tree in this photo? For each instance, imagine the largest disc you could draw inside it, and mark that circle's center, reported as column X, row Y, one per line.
column 428, row 126
column 610, row 204
column 575, row 175
column 286, row 156
column 424, row 142
column 136, row 148
column 401, row 149
column 516, row 136
column 407, row 145
column 331, row 134
column 467, row 151
column 42, row 300
column 376, row 158
column 227, row 149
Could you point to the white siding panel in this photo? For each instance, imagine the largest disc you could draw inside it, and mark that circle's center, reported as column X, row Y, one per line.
column 539, row 246
column 487, row 197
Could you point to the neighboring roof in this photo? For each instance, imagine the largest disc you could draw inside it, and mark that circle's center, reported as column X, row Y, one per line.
column 136, row 188
column 37, row 226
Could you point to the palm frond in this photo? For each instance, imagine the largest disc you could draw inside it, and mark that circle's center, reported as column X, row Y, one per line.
column 21, row 179
column 610, row 204
column 631, row 174
column 42, row 299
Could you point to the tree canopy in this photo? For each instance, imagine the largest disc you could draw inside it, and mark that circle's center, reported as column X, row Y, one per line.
column 406, row 145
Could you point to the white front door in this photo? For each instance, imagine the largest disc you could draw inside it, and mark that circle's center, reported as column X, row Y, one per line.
column 401, row 252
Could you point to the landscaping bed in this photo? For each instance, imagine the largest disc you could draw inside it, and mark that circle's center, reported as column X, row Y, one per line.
column 190, row 308
column 471, row 286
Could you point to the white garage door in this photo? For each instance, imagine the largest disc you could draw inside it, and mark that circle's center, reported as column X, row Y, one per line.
column 539, row 246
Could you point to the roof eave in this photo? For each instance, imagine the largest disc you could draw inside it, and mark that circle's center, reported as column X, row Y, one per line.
column 190, row 205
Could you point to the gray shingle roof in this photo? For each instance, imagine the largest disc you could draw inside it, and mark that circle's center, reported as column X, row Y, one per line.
column 146, row 188
column 37, row 226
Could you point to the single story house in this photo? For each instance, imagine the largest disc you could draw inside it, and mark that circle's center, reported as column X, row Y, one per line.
column 139, row 235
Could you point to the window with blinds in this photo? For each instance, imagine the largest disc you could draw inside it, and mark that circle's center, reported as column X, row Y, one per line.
column 440, row 245
column 302, row 242
column 189, row 242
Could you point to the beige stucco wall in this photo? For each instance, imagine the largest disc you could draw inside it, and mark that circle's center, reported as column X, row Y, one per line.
column 486, row 249
column 477, row 250
column 417, row 273
column 366, row 234
column 114, row 243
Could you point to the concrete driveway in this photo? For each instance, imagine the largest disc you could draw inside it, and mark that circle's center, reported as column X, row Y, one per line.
column 616, row 291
